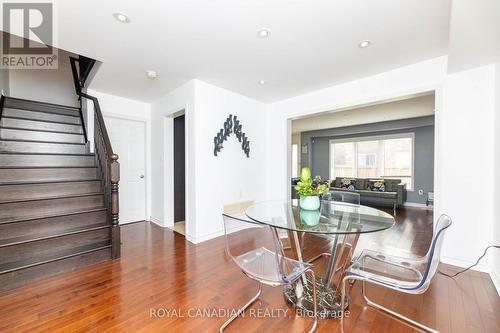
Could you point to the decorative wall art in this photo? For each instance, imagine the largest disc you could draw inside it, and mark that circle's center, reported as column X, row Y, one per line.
column 231, row 125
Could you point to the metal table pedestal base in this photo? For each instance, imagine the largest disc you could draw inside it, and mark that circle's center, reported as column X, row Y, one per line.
column 328, row 298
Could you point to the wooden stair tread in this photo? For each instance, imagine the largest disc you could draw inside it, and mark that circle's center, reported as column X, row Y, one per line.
column 39, row 120
column 75, row 114
column 73, row 180
column 10, row 101
column 48, row 235
column 40, row 141
column 51, row 154
column 49, row 167
column 46, row 216
column 53, row 197
column 35, row 261
column 38, row 130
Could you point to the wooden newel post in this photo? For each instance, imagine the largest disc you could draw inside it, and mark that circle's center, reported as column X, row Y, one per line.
column 115, row 206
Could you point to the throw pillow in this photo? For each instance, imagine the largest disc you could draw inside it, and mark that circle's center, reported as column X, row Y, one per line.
column 348, row 184
column 376, row 185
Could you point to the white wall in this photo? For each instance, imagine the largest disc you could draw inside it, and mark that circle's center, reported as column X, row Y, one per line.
column 466, row 175
column 231, row 176
column 4, row 73
column 4, row 81
column 46, row 85
column 124, row 108
column 474, row 34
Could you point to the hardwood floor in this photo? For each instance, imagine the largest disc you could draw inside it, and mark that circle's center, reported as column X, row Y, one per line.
column 160, row 271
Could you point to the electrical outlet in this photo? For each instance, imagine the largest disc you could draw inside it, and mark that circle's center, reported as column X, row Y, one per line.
column 420, row 192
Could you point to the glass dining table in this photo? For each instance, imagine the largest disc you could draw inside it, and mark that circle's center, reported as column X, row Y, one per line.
column 339, row 224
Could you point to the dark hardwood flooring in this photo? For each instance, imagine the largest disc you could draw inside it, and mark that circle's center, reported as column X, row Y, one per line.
column 160, row 270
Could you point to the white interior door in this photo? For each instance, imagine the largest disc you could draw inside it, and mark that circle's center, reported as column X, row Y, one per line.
column 128, row 138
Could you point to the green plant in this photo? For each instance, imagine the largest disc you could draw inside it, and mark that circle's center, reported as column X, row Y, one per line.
column 307, row 186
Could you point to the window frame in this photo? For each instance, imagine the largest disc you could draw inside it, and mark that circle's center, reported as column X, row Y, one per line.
column 406, row 135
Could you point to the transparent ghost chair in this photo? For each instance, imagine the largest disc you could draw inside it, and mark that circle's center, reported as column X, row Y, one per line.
column 412, row 276
column 257, row 250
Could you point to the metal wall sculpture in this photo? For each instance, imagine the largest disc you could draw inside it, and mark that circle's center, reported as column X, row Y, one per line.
column 231, row 125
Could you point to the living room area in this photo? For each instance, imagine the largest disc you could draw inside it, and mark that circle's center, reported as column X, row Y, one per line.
column 383, row 151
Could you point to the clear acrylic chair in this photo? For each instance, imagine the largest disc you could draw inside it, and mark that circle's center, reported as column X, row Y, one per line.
column 412, row 276
column 257, row 250
column 350, row 198
column 342, row 196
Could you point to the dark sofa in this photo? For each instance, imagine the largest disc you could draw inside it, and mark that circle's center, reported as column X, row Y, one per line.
column 393, row 196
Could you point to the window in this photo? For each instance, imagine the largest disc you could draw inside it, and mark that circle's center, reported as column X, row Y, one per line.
column 295, row 160
column 389, row 156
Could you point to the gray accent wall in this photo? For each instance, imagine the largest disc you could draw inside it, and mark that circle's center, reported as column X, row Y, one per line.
column 318, row 157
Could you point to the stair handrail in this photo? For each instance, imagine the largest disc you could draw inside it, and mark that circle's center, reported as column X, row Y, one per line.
column 106, row 159
column 2, row 101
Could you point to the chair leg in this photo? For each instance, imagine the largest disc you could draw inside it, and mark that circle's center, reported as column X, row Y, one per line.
column 241, row 310
column 342, row 302
column 396, row 315
column 315, row 302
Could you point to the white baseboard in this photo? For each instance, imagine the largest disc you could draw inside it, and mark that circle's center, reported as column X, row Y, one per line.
column 156, row 221
column 465, row 263
column 417, row 205
column 496, row 281
column 203, row 238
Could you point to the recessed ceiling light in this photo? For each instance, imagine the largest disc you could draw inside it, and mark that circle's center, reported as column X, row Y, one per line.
column 120, row 17
column 151, row 74
column 263, row 33
column 262, row 82
column 364, row 44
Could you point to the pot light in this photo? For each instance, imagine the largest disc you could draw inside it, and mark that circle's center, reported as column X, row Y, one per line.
column 120, row 17
column 263, row 33
column 364, row 44
column 151, row 74
column 261, row 82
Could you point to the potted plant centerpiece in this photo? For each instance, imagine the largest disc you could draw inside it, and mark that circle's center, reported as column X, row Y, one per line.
column 310, row 190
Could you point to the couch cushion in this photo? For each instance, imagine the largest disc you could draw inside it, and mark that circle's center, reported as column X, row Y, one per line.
column 348, row 183
column 391, row 185
column 336, row 182
column 376, row 185
column 359, row 183
column 376, row 194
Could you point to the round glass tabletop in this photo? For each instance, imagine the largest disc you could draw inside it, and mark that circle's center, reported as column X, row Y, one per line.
column 333, row 217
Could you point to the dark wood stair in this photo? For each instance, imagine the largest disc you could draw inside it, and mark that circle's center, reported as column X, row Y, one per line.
column 54, row 215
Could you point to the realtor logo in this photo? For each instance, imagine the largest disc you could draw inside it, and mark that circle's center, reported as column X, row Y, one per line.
column 30, row 36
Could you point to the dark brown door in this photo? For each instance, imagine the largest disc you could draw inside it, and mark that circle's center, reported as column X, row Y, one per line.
column 179, row 169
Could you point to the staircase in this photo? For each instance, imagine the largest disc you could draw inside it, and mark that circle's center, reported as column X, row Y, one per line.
column 58, row 202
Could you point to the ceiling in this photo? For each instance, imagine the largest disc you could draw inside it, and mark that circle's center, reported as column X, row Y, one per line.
column 313, row 44
column 411, row 107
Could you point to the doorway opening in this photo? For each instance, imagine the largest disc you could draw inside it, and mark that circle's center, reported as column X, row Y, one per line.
column 180, row 174
column 389, row 144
